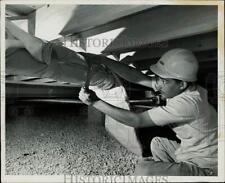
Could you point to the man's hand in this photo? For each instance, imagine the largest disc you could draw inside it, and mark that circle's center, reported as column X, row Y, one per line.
column 87, row 96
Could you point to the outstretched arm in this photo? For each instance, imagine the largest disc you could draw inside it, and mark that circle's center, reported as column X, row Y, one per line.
column 124, row 116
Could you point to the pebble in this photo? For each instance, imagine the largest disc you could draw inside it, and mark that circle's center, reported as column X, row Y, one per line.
column 79, row 149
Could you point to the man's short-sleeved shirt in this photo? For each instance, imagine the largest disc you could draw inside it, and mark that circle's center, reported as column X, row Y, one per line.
column 194, row 121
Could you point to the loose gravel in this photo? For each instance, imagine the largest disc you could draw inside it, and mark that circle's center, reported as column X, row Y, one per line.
column 60, row 141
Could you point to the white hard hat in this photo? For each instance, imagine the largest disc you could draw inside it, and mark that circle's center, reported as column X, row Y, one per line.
column 178, row 64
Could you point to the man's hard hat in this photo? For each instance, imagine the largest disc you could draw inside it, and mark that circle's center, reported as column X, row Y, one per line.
column 178, row 64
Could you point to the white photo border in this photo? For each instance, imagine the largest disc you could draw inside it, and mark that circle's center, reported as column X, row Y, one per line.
column 64, row 178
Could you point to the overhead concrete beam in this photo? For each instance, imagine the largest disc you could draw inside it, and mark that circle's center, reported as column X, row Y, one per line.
column 50, row 20
column 201, row 42
column 161, row 24
column 204, row 58
column 17, row 18
column 32, row 23
column 21, row 9
column 86, row 17
column 53, row 21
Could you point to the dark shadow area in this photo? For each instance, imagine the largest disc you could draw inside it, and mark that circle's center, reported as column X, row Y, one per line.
column 86, row 17
column 145, row 136
column 172, row 22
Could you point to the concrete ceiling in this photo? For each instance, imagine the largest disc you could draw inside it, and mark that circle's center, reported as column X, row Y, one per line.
column 21, row 9
column 63, row 20
column 172, row 22
column 90, row 16
column 163, row 24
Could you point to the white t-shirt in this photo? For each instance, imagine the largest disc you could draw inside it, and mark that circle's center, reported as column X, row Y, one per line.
column 194, row 121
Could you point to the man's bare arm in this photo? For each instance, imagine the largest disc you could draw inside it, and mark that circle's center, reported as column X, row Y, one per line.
column 124, row 116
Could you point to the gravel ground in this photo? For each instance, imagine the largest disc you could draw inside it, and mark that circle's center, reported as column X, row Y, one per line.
column 61, row 141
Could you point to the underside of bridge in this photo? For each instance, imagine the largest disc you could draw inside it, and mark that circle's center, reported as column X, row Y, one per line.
column 48, row 129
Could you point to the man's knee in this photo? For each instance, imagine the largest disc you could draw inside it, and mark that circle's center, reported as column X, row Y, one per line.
column 155, row 144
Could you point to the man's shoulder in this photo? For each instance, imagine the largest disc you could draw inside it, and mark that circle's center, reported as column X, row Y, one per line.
column 193, row 93
column 190, row 99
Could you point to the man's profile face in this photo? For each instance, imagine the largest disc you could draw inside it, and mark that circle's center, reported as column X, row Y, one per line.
column 168, row 88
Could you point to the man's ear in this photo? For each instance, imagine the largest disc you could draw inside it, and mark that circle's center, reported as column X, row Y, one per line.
column 183, row 85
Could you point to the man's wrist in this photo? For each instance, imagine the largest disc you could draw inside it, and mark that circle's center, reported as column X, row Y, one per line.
column 93, row 103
